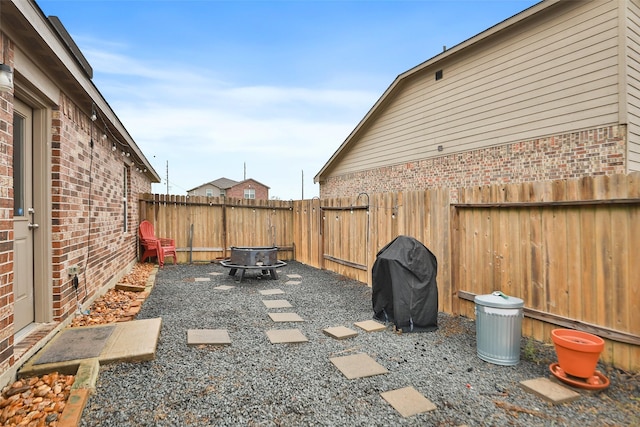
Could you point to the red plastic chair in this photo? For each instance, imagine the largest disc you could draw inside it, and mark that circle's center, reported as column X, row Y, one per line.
column 154, row 246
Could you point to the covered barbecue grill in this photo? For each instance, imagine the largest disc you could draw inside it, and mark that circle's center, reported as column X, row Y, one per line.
column 404, row 286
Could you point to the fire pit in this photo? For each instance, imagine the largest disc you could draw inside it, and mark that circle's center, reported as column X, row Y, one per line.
column 263, row 258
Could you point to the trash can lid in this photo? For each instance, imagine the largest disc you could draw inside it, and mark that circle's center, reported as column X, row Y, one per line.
column 499, row 300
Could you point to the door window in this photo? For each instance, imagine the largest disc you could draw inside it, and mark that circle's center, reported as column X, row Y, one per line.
column 18, row 165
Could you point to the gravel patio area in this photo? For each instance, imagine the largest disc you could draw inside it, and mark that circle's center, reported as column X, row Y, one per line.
column 255, row 383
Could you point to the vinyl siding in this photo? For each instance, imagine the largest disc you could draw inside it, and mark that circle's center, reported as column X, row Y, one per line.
column 556, row 73
column 633, row 84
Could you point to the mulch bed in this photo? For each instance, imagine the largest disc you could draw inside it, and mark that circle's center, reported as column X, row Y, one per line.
column 120, row 303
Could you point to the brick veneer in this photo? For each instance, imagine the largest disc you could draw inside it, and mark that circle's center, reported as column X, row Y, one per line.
column 6, row 233
column 237, row 191
column 600, row 151
column 88, row 224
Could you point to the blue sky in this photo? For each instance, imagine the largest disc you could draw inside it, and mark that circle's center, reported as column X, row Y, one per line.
column 210, row 86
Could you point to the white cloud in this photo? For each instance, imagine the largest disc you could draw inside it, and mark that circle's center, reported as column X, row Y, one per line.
column 207, row 128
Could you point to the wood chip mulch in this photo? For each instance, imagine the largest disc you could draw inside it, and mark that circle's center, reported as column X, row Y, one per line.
column 120, row 303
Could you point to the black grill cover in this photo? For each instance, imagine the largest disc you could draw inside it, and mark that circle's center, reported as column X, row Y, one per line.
column 404, row 286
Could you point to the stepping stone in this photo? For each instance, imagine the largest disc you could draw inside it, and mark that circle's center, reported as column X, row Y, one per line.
column 294, row 276
column 216, row 273
column 208, row 337
column 224, row 287
column 285, row 317
column 340, row 332
column 276, row 303
column 549, row 390
column 292, row 282
column 370, row 326
column 203, row 279
column 283, row 336
column 271, row 292
column 408, row 401
column 358, row 366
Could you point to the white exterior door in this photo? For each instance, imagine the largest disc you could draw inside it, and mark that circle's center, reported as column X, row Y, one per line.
column 23, row 216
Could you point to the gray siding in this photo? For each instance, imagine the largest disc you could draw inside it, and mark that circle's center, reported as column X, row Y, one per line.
column 556, row 73
column 633, row 84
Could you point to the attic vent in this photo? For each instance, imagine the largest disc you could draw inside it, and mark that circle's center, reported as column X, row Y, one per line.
column 438, row 75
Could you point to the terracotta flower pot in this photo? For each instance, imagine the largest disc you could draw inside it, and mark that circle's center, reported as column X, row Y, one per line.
column 578, row 352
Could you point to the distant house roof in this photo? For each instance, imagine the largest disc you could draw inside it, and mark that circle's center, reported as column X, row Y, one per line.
column 221, row 183
column 252, row 180
column 224, row 183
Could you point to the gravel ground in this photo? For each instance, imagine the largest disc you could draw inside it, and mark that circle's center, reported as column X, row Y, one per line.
column 255, row 383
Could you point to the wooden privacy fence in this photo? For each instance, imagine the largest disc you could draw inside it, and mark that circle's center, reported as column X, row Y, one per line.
column 204, row 228
column 568, row 248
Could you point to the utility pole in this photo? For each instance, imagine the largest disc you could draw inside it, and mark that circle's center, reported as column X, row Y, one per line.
column 245, row 172
column 302, row 184
column 167, row 177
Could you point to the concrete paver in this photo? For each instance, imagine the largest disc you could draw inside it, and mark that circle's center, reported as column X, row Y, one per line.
column 358, row 366
column 549, row 390
column 271, row 292
column 276, row 303
column 408, row 401
column 224, row 287
column 208, row 337
column 292, row 282
column 285, row 317
column 284, row 336
column 370, row 326
column 340, row 332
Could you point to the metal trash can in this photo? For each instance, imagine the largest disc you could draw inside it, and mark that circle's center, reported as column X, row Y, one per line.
column 498, row 328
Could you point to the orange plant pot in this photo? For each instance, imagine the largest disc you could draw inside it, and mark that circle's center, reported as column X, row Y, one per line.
column 578, row 352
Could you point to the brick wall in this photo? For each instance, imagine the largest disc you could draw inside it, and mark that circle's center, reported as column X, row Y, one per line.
column 6, row 234
column 88, row 215
column 6, row 221
column 237, row 191
column 598, row 151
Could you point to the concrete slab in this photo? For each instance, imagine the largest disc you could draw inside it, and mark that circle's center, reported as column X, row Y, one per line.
column 284, row 336
column 285, row 317
column 340, row 332
column 224, row 287
column 271, row 292
column 358, row 366
column 203, row 279
column 129, row 341
column 549, row 390
column 292, row 282
column 294, row 276
column 370, row 326
column 276, row 303
column 208, row 337
column 408, row 401
column 132, row 341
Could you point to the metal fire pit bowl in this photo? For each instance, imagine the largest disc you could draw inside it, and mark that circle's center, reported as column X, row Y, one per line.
column 264, row 258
